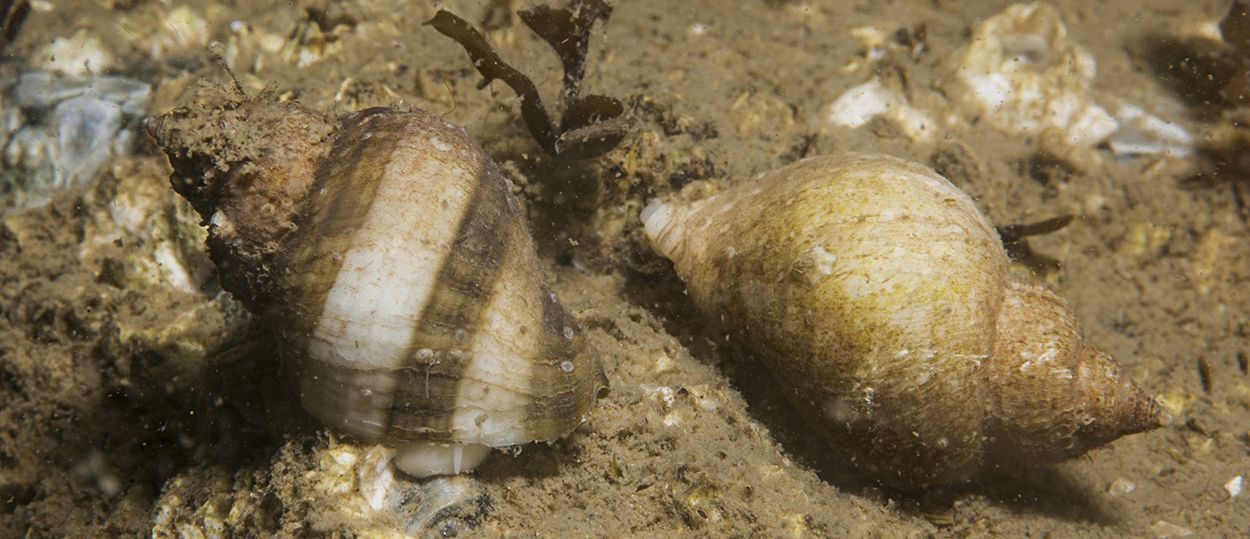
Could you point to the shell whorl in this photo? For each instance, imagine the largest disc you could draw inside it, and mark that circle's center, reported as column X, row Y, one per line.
column 415, row 298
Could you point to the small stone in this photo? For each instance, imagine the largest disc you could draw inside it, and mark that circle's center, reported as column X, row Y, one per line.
column 1234, row 486
column 664, row 363
column 1121, row 486
column 1162, row 529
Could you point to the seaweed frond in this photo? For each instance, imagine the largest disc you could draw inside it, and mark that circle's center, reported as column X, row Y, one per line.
column 589, row 125
column 1013, row 237
column 1014, row 233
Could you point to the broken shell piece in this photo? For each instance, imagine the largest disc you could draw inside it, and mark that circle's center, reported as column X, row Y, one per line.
column 1025, row 76
column 1234, row 486
column 860, row 104
column 79, row 55
column 1142, row 133
column 160, row 32
column 442, row 505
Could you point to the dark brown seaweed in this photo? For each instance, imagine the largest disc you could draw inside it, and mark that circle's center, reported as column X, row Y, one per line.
column 1013, row 237
column 589, row 126
column 1016, row 232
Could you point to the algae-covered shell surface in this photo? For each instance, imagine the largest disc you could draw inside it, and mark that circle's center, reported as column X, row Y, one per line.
column 139, row 395
column 879, row 296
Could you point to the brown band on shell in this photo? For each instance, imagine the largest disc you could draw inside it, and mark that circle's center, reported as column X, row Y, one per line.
column 427, row 380
column 558, row 396
column 344, row 392
column 342, row 194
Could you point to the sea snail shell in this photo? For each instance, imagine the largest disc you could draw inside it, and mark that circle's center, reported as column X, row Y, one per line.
column 391, row 258
column 876, row 291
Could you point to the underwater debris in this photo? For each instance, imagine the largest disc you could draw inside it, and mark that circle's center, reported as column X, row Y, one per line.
column 181, row 30
column 1020, row 74
column 1235, row 28
column 860, row 104
column 13, row 15
column 1210, row 70
column 350, row 487
column 1015, row 233
column 317, row 36
column 589, row 125
column 1013, row 237
column 1211, row 73
column 61, row 131
column 1025, row 76
column 79, row 55
column 1229, row 144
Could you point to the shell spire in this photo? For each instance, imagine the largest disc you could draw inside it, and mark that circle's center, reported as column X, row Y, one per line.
column 388, row 253
column 245, row 165
column 879, row 292
column 1056, row 396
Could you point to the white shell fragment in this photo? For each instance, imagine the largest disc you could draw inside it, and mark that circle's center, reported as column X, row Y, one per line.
column 1121, row 486
column 1020, row 74
column 1163, row 529
column 860, row 104
column 79, row 55
column 1142, row 133
column 181, row 30
column 161, row 32
column 1234, row 486
column 1025, row 76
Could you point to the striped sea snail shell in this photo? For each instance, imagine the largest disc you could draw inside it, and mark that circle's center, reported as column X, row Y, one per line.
column 880, row 297
column 388, row 254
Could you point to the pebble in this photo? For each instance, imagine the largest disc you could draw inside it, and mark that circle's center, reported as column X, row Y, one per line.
column 1234, row 486
column 1162, row 529
column 1121, row 486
